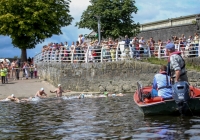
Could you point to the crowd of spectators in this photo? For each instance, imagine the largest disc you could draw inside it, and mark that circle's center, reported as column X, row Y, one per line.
column 189, row 47
column 81, row 50
column 136, row 47
column 12, row 70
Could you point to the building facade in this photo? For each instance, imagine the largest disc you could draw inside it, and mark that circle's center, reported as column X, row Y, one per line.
column 165, row 29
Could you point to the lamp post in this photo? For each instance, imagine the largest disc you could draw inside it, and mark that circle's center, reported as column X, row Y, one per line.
column 99, row 28
column 198, row 22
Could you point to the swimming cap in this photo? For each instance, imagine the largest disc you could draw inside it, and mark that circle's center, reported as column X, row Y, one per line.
column 12, row 95
column 105, row 93
column 59, row 85
column 42, row 89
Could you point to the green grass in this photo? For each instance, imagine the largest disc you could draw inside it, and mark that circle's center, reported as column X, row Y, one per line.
column 157, row 61
column 193, row 67
column 154, row 60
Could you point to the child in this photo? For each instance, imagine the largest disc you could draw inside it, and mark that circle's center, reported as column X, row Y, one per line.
column 113, row 52
column 31, row 71
column 26, row 69
column 7, row 72
column 94, row 55
column 35, row 70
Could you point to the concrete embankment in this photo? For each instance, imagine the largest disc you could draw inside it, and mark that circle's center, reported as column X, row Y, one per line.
column 27, row 88
column 118, row 77
column 89, row 78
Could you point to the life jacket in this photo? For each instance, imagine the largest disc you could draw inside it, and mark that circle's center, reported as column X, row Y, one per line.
column 167, row 81
column 3, row 72
column 169, row 71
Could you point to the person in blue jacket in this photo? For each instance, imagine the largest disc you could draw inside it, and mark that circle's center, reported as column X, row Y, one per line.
column 161, row 84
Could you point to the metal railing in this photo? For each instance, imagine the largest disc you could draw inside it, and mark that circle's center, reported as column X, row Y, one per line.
column 187, row 50
column 105, row 53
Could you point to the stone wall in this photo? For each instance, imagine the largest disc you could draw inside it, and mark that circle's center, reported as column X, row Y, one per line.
column 166, row 33
column 178, row 21
column 195, row 61
column 111, row 76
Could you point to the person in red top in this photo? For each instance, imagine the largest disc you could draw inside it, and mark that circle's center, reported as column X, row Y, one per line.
column 94, row 55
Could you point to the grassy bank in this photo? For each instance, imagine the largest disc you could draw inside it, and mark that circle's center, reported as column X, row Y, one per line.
column 157, row 61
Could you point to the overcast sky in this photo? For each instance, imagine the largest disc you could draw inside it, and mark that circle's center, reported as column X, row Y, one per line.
column 148, row 11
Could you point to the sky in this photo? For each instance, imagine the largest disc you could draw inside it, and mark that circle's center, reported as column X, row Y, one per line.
column 148, row 11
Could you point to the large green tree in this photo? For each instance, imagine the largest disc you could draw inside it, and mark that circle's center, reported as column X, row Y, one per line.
column 29, row 22
column 115, row 15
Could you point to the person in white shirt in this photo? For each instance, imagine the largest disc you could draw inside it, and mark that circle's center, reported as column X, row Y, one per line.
column 141, row 45
column 79, row 39
column 190, row 50
column 82, row 39
column 67, row 46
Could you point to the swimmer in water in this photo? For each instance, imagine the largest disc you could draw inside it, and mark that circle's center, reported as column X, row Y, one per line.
column 81, row 96
column 112, row 94
column 30, row 99
column 59, row 91
column 12, row 98
column 41, row 93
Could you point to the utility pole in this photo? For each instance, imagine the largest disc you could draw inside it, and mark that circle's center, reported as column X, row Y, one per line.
column 99, row 28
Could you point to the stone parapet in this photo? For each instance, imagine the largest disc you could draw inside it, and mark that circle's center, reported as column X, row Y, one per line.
column 166, row 33
column 179, row 21
column 118, row 76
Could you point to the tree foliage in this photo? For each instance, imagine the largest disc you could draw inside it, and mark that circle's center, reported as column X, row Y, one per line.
column 29, row 22
column 116, row 17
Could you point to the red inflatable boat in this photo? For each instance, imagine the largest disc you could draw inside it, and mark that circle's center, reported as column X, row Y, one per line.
column 159, row 106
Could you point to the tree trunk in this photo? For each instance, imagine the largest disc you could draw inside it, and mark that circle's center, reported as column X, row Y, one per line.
column 23, row 55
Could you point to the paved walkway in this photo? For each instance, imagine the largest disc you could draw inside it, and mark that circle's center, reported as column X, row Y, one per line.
column 26, row 88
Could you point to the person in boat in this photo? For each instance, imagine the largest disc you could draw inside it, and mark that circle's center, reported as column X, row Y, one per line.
column 12, row 98
column 161, row 84
column 41, row 93
column 176, row 64
column 59, row 91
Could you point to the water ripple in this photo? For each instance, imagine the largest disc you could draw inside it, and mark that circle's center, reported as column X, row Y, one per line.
column 90, row 118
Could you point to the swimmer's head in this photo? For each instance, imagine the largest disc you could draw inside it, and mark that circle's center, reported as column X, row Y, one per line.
column 42, row 89
column 12, row 95
column 59, row 85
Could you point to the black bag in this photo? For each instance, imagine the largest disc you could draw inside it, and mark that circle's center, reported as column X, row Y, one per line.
column 146, row 95
column 168, row 69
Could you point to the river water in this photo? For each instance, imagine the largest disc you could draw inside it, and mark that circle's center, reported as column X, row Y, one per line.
column 90, row 118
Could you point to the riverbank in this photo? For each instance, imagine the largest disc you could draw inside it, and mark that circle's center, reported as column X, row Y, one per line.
column 27, row 88
column 192, row 64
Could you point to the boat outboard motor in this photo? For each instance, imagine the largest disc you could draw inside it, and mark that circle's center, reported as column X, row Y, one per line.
column 181, row 95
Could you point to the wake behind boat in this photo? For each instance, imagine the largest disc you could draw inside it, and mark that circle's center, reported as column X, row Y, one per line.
column 160, row 106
